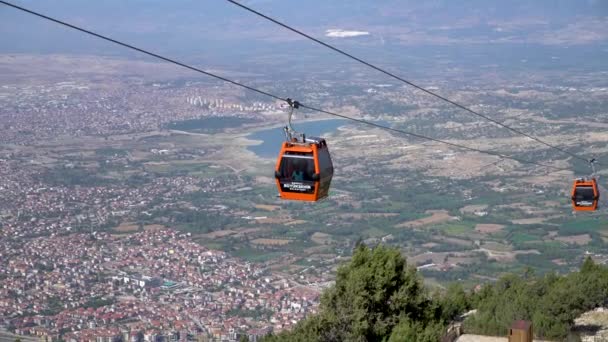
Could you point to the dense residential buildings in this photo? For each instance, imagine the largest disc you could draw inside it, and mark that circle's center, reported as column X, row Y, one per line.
column 148, row 284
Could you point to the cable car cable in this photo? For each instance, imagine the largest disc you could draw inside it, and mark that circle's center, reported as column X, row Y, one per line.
column 287, row 100
column 140, row 50
column 416, row 135
column 410, row 83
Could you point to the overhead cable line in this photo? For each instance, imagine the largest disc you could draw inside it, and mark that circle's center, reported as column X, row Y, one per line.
column 416, row 135
column 410, row 83
column 276, row 97
column 138, row 49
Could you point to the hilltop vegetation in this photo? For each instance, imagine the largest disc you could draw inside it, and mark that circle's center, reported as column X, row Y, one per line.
column 379, row 297
column 552, row 302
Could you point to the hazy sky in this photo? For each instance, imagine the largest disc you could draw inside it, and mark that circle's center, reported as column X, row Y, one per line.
column 218, row 29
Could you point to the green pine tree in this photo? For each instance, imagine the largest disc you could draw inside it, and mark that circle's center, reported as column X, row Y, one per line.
column 374, row 293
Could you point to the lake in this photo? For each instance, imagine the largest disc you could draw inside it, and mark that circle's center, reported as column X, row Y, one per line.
column 209, row 124
column 273, row 138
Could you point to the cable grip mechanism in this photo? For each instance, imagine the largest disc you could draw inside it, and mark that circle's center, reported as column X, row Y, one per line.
column 592, row 164
column 291, row 135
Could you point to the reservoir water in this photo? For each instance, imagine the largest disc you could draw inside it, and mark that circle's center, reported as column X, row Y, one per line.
column 273, row 137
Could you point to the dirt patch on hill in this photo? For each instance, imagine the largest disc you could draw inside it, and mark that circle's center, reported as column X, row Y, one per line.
column 438, row 216
column 506, row 256
column 580, row 240
column 597, row 320
column 559, row 262
column 153, row 227
column 436, row 258
column 430, row 245
column 534, row 220
column 479, row 338
column 454, row 241
column 489, row 228
column 295, row 222
column 127, row 227
column 267, row 207
column 270, row 242
column 472, row 209
column 240, row 232
column 552, row 203
column 272, row 220
column 218, row 234
column 440, row 257
column 604, row 235
column 359, row 216
column 320, row 238
column 496, row 246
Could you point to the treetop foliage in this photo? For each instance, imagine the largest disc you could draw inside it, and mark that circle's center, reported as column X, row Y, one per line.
column 379, row 297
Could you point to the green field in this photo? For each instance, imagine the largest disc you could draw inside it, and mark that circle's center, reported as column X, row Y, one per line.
column 519, row 238
column 583, row 225
column 457, row 229
column 256, row 255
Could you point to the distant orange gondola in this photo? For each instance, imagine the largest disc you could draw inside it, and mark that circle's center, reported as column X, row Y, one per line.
column 304, row 168
column 585, row 195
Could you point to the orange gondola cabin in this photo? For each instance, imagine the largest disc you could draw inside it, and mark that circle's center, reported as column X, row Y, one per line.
column 585, row 195
column 304, row 170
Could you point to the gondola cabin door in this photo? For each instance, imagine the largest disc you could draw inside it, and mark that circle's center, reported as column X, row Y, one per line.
column 304, row 170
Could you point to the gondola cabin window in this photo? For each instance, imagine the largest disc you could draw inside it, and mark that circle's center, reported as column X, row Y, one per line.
column 296, row 172
column 584, row 196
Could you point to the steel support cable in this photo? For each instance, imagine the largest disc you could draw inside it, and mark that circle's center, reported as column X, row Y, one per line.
column 361, row 121
column 138, row 49
column 410, row 83
column 416, row 135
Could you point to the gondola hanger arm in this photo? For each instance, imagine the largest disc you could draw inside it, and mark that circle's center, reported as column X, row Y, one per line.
column 291, row 135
